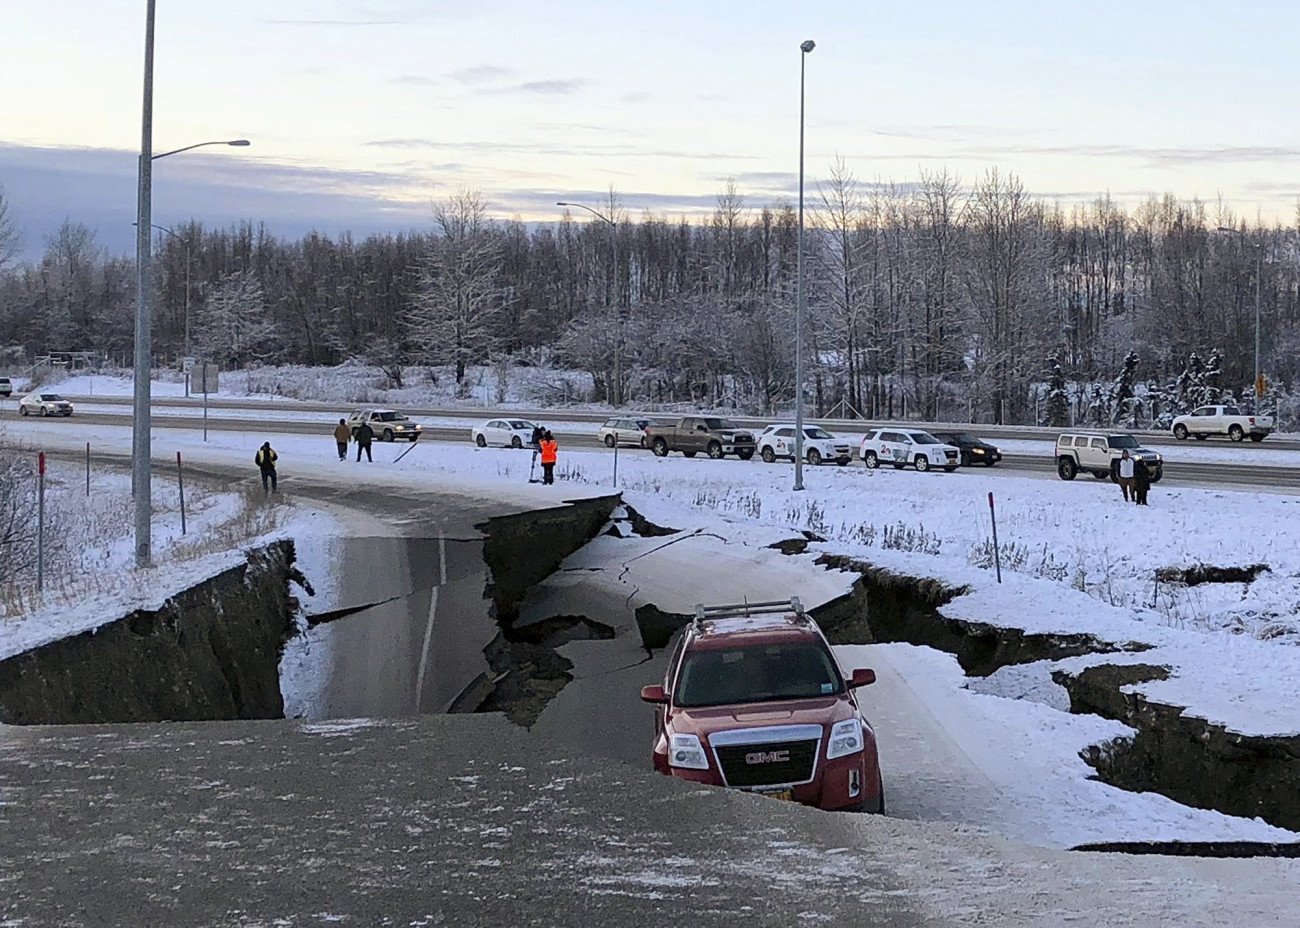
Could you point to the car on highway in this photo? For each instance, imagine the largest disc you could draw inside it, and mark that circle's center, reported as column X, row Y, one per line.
column 715, row 436
column 1204, row 421
column 904, row 447
column 44, row 404
column 819, row 445
column 6, row 387
column 508, row 433
column 388, row 424
column 753, row 699
column 972, row 448
column 626, row 430
column 1099, row 454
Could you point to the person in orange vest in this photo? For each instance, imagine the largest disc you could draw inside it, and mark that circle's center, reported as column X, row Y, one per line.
column 549, row 451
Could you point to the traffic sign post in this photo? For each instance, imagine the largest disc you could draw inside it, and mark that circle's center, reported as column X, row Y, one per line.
column 997, row 558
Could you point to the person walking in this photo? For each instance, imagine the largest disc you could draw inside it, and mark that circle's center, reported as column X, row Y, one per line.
column 550, row 450
column 365, row 435
column 342, row 435
column 265, row 460
column 1141, row 481
column 1126, row 474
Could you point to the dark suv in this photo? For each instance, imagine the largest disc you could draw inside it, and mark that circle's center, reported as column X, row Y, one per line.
column 974, row 450
column 753, row 699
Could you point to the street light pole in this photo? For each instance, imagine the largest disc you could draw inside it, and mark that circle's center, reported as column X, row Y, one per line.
column 804, row 49
column 141, row 470
column 616, row 399
column 140, row 434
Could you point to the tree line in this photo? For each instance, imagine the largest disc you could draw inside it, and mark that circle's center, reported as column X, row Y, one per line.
column 930, row 299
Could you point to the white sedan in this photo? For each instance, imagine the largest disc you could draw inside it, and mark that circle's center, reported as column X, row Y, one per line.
column 903, row 447
column 44, row 404
column 778, row 441
column 508, row 433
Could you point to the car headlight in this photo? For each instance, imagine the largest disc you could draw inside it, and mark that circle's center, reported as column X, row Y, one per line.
column 977, row 451
column 846, row 738
column 687, row 752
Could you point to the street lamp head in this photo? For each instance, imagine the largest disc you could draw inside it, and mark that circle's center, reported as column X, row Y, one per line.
column 562, row 203
column 240, row 143
column 808, row 46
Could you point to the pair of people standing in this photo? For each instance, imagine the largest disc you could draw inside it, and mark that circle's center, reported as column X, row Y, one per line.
column 544, row 445
column 364, row 436
column 1134, row 478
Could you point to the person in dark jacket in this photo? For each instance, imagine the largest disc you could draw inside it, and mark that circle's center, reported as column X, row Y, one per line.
column 342, row 435
column 550, row 450
column 265, row 460
column 1141, row 481
column 365, row 435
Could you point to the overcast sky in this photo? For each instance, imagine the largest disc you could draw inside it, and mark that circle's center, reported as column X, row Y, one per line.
column 362, row 113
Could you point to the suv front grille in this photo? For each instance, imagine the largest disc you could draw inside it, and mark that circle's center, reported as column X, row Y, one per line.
column 772, row 763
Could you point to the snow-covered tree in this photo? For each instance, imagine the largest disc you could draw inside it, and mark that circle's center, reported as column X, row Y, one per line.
column 233, row 327
column 459, row 292
column 1058, row 401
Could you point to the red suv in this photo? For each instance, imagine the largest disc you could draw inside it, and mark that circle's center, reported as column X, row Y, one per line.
column 753, row 699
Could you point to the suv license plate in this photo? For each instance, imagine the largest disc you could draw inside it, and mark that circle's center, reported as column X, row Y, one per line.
column 787, row 794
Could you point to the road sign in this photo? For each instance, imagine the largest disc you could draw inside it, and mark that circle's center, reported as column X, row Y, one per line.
column 187, row 365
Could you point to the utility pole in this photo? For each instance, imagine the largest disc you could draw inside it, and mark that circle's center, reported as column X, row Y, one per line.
column 140, row 435
column 804, row 49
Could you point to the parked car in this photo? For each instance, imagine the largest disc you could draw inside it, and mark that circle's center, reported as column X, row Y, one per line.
column 753, row 699
column 626, row 431
column 508, row 433
column 971, row 448
column 902, row 447
column 1099, row 453
column 778, row 441
column 44, row 404
column 6, row 387
column 690, row 435
column 388, row 424
column 1205, row 421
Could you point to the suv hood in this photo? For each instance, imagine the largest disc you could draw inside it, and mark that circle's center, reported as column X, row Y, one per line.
column 708, row 720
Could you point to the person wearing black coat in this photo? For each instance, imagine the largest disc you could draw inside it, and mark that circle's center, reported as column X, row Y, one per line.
column 365, row 435
column 1141, row 481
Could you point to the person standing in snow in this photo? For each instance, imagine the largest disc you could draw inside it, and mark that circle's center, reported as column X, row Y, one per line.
column 550, row 451
column 1126, row 474
column 1141, row 481
column 365, row 435
column 342, row 435
column 265, row 460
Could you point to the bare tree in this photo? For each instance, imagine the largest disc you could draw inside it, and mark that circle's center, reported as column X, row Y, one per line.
column 10, row 241
column 837, row 257
column 459, row 294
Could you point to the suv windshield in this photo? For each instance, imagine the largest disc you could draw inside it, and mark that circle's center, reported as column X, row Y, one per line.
column 719, row 424
column 1122, row 441
column 924, row 438
column 765, row 673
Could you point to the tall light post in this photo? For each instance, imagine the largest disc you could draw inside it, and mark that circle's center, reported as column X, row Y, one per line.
column 1259, row 276
column 804, row 49
column 612, row 221
column 140, row 434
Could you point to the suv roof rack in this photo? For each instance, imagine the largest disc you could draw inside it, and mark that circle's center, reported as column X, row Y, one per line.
column 739, row 610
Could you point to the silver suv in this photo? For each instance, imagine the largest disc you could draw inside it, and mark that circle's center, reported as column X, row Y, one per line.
column 1099, row 452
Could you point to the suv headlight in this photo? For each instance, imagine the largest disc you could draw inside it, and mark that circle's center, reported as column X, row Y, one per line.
column 846, row 738
column 686, row 751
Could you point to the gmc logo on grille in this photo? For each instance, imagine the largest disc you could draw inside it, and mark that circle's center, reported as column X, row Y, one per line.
column 768, row 757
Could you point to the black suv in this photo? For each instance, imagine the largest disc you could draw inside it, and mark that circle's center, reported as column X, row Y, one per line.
column 973, row 449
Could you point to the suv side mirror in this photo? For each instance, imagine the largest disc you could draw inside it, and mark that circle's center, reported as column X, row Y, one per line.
column 863, row 676
column 657, row 696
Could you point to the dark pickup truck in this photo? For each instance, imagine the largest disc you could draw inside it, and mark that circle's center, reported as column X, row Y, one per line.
column 714, row 436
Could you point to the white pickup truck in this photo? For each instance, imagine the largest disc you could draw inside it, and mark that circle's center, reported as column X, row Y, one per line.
column 1205, row 421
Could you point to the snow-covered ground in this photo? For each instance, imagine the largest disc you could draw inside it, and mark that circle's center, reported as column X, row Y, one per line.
column 1075, row 559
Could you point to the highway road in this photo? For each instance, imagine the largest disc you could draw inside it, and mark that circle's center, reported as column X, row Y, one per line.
column 998, row 432
column 578, row 430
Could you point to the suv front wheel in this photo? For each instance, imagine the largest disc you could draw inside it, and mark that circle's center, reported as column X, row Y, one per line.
column 715, row 450
column 1066, row 468
column 922, row 463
